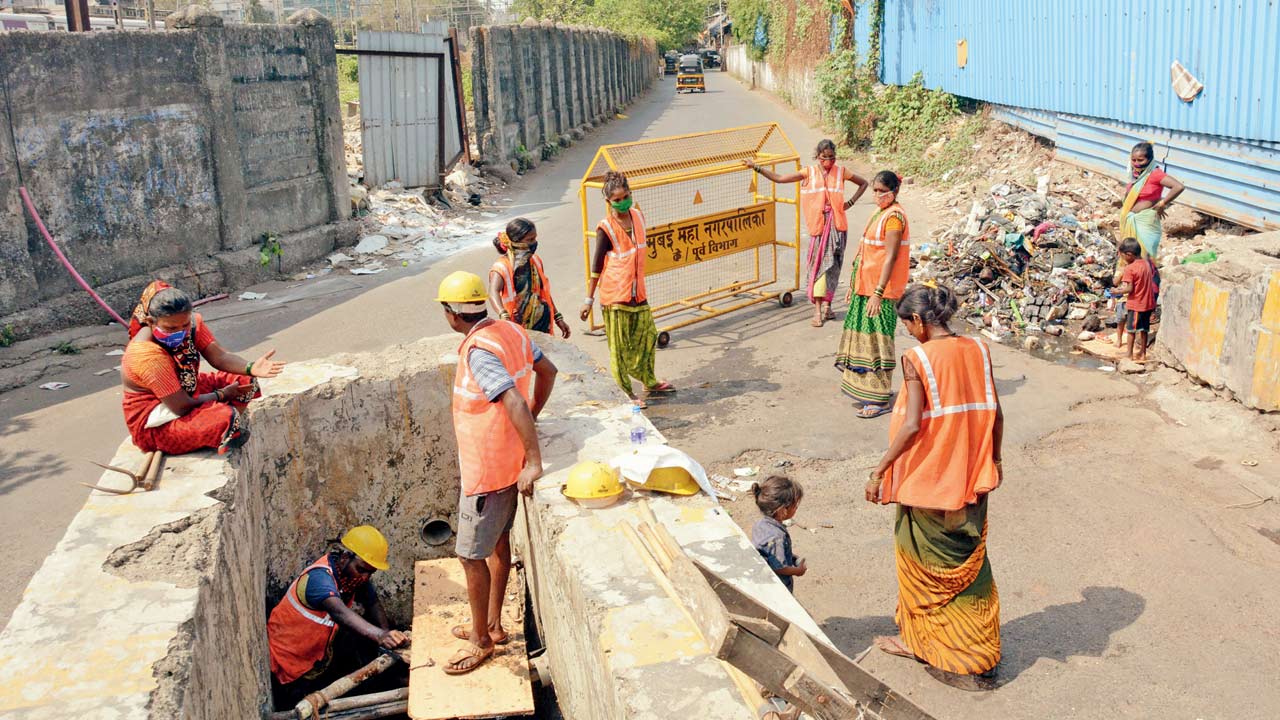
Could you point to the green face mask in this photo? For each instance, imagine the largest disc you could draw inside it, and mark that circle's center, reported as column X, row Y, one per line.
column 623, row 205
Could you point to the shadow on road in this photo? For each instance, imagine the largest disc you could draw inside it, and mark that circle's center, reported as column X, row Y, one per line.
column 24, row 466
column 1057, row 632
column 1061, row 631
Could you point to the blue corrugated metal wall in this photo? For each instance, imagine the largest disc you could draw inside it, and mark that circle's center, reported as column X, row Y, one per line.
column 1099, row 58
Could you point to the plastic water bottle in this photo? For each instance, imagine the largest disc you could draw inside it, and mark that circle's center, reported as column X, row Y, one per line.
column 637, row 426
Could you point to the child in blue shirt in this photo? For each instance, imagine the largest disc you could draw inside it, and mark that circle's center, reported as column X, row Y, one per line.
column 778, row 498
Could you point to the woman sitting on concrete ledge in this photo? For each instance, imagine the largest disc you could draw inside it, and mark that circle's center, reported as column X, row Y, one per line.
column 169, row 405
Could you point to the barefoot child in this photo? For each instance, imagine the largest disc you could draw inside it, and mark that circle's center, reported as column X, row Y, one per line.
column 1138, row 282
column 778, row 499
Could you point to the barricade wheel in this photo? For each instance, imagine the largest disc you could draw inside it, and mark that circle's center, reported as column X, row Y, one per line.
column 664, row 339
column 785, row 299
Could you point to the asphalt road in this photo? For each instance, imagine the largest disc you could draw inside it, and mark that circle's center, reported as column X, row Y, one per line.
column 1128, row 588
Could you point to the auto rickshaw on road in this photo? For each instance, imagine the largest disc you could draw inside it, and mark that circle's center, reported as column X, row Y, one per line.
column 689, row 78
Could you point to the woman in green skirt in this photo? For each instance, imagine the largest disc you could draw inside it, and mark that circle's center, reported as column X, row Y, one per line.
column 866, row 356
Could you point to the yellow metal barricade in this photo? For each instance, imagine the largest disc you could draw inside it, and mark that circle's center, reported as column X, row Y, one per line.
column 718, row 233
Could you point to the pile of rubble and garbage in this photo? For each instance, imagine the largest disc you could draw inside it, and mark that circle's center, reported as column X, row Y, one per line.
column 1026, row 261
column 401, row 225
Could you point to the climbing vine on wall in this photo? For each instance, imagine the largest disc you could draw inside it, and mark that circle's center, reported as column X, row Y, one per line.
column 794, row 32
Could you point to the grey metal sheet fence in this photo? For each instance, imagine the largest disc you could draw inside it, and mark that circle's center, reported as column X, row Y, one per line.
column 401, row 98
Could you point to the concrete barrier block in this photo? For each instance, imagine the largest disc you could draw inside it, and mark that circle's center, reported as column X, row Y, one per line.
column 1221, row 321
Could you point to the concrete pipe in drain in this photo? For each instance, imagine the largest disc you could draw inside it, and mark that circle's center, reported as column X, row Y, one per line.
column 436, row 531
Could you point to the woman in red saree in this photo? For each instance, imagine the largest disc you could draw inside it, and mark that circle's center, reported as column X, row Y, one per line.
column 169, row 405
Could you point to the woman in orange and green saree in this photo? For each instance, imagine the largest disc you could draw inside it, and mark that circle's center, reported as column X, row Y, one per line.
column 942, row 461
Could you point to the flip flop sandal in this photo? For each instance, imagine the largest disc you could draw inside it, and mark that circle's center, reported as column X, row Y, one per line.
column 818, row 323
column 662, row 387
column 463, row 632
column 467, row 659
column 879, row 410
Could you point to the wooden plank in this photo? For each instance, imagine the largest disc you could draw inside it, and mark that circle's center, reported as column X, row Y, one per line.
column 691, row 589
column 862, row 685
column 783, row 677
column 739, row 603
column 766, row 631
column 499, row 687
column 801, row 647
column 870, row 691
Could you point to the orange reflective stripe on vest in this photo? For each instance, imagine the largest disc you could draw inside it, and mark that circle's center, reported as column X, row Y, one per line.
column 490, row 451
column 819, row 190
column 502, row 266
column 949, row 462
column 297, row 636
column 622, row 280
column 874, row 252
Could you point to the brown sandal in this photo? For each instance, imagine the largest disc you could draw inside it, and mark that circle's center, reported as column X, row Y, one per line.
column 463, row 632
column 468, row 658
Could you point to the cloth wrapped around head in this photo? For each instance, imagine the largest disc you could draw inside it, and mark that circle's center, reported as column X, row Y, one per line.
column 140, row 312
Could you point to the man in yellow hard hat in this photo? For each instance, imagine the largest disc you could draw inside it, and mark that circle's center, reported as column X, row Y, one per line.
column 303, row 626
column 501, row 385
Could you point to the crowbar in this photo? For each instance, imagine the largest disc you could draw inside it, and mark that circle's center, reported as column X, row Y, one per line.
column 145, row 478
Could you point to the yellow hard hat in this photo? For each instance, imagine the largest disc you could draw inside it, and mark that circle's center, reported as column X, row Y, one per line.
column 462, row 287
column 674, row 480
column 591, row 481
column 368, row 545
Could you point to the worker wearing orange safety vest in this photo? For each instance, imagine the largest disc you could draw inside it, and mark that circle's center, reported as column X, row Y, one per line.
column 824, row 209
column 617, row 274
column 943, row 459
column 303, row 625
column 866, row 357
column 519, row 289
column 501, row 384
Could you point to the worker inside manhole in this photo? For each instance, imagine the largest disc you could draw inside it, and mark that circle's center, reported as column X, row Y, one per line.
column 330, row 627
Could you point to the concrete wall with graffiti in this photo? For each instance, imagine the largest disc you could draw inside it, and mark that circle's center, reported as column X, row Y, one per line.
column 164, row 154
column 1221, row 321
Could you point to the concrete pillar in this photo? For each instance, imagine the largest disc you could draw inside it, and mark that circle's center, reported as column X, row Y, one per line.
column 560, row 82
column 583, row 92
column 602, row 82
column 224, row 144
column 503, row 99
column 318, row 43
column 479, row 84
column 545, row 82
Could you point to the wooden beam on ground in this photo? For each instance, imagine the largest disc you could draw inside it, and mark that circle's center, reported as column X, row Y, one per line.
column 500, row 687
column 815, row 665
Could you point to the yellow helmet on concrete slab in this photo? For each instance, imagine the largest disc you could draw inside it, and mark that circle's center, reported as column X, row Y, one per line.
column 674, row 480
column 592, row 484
column 368, row 544
column 462, row 287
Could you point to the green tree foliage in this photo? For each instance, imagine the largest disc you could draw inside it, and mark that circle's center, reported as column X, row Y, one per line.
column 672, row 24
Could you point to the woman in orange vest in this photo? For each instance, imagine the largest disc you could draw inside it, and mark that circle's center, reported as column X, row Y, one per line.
column 617, row 271
column 866, row 354
column 519, row 289
column 822, row 197
column 943, row 459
